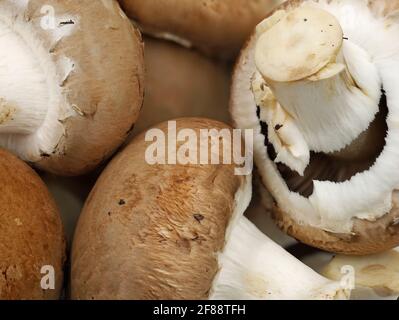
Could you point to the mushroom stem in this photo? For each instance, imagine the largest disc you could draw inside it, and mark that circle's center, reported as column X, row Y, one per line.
column 326, row 86
column 254, row 267
column 23, row 88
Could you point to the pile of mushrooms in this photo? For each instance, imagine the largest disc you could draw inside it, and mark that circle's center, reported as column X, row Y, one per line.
column 182, row 83
column 84, row 97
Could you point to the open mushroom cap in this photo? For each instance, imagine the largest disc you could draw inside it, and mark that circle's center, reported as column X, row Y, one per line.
column 218, row 28
column 326, row 137
column 181, row 82
column 71, row 81
column 31, row 233
column 155, row 231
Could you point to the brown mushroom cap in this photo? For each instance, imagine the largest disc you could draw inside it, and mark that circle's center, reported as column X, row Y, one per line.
column 216, row 27
column 182, row 83
column 153, row 232
column 105, row 87
column 31, row 233
column 367, row 237
column 109, row 92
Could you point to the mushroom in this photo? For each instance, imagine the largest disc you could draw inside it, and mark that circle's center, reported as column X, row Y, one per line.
column 376, row 276
column 218, row 28
column 71, row 81
column 181, row 82
column 317, row 82
column 175, row 231
column 32, row 246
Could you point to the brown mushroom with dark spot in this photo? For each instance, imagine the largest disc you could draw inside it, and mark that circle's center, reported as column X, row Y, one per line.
column 71, row 82
column 218, row 28
column 181, row 233
column 321, row 92
column 32, row 246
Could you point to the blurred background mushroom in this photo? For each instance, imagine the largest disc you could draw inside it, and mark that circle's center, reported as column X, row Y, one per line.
column 181, row 82
column 217, row 28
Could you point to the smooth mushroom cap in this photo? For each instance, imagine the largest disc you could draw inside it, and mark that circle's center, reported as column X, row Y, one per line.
column 31, row 233
column 182, row 83
column 154, row 231
column 94, row 65
column 216, row 27
column 369, row 233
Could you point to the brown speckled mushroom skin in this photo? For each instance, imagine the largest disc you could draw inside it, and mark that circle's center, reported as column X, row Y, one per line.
column 216, row 27
column 107, row 86
column 31, row 233
column 368, row 237
column 153, row 232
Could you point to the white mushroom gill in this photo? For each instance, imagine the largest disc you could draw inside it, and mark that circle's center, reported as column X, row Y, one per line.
column 32, row 105
column 23, row 88
column 325, row 107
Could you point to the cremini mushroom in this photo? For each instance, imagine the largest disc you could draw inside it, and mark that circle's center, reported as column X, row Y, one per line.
column 181, row 82
column 32, row 246
column 71, row 81
column 318, row 82
column 218, row 28
column 375, row 276
column 177, row 231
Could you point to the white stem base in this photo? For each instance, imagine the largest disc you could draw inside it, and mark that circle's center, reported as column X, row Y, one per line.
column 254, row 267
